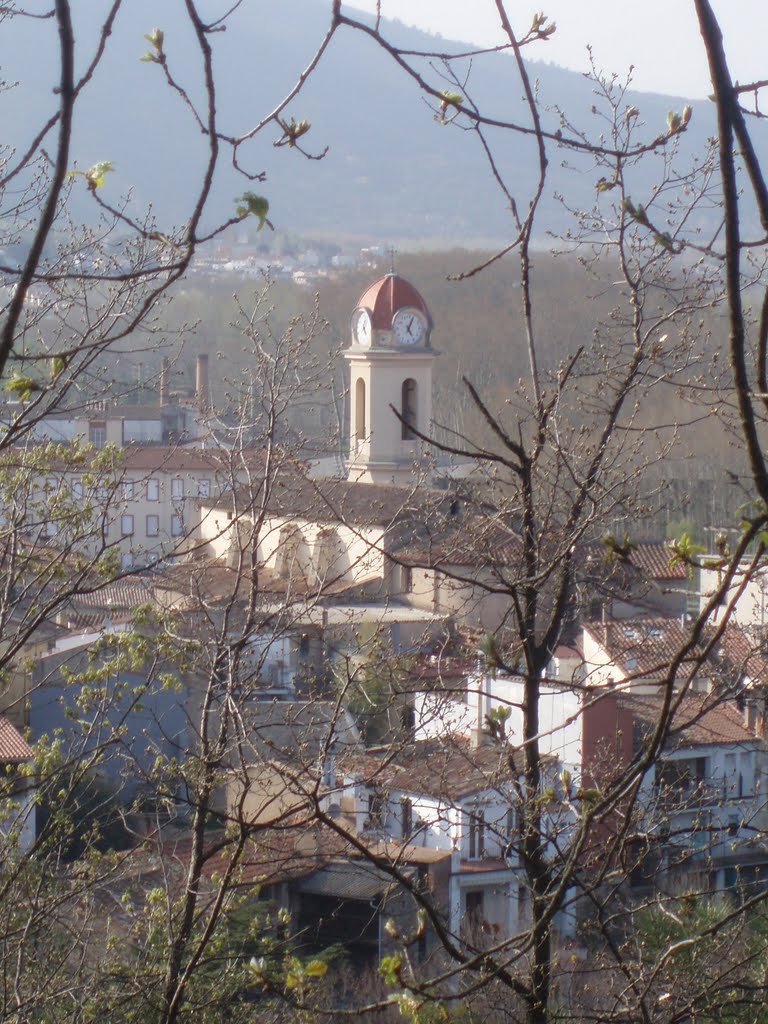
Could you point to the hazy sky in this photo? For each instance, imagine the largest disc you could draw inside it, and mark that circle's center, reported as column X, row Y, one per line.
column 660, row 37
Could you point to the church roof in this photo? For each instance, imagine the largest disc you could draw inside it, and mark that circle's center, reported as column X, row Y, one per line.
column 295, row 495
column 384, row 297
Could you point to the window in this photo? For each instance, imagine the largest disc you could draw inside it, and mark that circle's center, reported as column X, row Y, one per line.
column 51, row 529
column 376, row 804
column 153, row 490
column 77, row 490
column 127, row 490
column 360, row 409
column 408, row 409
column 126, row 560
column 51, row 485
column 153, row 526
column 177, row 488
column 102, row 494
column 126, row 525
column 203, row 488
column 97, row 434
column 406, row 817
column 474, row 905
column 177, row 526
column 684, row 776
column 476, row 834
column 510, row 822
column 407, row 576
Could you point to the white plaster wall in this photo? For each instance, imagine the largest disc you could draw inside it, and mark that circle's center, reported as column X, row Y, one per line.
column 598, row 667
column 384, row 373
column 437, row 714
column 751, row 608
column 559, row 714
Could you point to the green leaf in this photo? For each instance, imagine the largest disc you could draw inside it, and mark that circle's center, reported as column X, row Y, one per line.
column 258, row 206
column 316, row 969
column 58, row 365
column 21, row 386
column 683, row 551
column 156, row 38
column 96, row 173
column 674, row 121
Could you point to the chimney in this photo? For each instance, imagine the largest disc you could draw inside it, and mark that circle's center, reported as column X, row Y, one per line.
column 201, row 382
column 164, row 392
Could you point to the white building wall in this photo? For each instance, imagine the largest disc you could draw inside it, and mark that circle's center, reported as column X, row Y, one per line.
column 559, row 714
column 750, row 609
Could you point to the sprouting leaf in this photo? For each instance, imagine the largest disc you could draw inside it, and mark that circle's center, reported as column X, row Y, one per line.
column 603, row 185
column 617, row 550
column 256, row 205
column 683, row 551
column 674, row 121
column 664, row 240
column 21, row 386
column 96, row 173
column 292, row 130
column 58, row 365
column 540, row 28
column 635, row 212
column 448, row 99
column 155, row 38
column 316, row 969
column 390, row 968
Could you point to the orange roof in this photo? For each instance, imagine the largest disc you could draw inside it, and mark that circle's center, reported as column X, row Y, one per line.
column 449, row 767
column 644, row 648
column 13, row 746
column 385, row 296
column 700, row 720
column 655, row 562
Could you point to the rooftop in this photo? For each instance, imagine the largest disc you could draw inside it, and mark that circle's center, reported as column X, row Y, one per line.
column 448, row 767
column 14, row 749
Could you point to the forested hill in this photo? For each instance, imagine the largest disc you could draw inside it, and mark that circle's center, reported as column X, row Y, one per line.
column 480, row 335
column 391, row 172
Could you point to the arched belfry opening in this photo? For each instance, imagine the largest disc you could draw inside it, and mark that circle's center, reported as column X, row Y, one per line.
column 390, row 361
column 408, row 421
column 360, row 410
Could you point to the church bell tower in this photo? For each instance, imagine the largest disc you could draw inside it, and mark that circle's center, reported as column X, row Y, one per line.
column 390, row 362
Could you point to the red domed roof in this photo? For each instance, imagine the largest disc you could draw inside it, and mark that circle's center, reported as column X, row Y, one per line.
column 385, row 296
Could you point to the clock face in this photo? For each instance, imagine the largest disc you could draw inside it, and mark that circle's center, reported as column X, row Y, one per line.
column 361, row 327
column 408, row 327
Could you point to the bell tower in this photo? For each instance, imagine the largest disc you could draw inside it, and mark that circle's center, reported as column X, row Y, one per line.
column 390, row 362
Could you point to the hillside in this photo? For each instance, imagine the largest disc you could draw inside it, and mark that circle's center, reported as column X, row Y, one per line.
column 391, row 173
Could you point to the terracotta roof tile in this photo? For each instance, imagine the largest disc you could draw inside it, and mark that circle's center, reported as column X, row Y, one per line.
column 643, row 648
column 13, row 747
column 700, row 720
column 653, row 561
column 473, row 541
column 450, row 767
